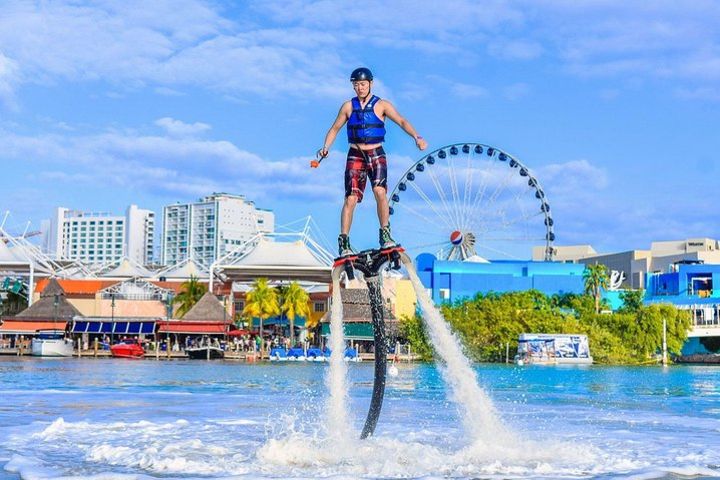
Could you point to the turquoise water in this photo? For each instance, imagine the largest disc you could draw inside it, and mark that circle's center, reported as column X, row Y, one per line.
column 147, row 419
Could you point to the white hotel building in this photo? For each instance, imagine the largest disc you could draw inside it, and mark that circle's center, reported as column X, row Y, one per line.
column 101, row 237
column 206, row 230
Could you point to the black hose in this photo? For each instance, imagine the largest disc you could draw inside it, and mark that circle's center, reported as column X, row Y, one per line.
column 376, row 307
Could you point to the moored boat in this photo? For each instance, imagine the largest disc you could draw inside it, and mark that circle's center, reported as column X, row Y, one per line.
column 52, row 343
column 205, row 349
column 205, row 352
column 128, row 348
column 553, row 349
column 278, row 354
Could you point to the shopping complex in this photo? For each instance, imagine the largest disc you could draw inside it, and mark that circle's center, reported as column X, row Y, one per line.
column 96, row 278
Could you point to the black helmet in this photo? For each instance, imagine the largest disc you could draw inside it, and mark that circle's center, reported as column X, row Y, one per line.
column 361, row 73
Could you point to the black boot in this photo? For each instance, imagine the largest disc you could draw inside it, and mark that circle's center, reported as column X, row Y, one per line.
column 344, row 247
column 386, row 240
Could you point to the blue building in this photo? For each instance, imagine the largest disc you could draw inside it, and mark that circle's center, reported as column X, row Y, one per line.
column 454, row 280
column 690, row 286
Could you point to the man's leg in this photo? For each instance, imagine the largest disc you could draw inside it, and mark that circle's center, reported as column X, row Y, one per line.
column 383, row 213
column 379, row 184
column 383, row 208
column 346, row 217
column 355, row 178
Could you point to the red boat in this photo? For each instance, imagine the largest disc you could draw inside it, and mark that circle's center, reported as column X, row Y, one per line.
column 128, row 348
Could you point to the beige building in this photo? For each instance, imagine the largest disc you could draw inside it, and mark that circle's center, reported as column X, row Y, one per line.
column 115, row 298
column 566, row 253
column 398, row 292
column 628, row 269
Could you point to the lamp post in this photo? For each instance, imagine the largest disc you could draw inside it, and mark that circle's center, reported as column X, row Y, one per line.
column 168, row 306
column 664, row 346
column 56, row 302
column 112, row 318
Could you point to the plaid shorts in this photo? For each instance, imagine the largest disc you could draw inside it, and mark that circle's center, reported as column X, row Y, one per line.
column 361, row 164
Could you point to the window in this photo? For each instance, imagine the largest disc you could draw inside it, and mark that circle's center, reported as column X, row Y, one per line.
column 444, row 294
column 319, row 306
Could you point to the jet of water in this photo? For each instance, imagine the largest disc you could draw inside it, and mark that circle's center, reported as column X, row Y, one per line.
column 478, row 414
column 338, row 420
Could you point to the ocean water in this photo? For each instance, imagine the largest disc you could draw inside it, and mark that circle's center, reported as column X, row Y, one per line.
column 116, row 419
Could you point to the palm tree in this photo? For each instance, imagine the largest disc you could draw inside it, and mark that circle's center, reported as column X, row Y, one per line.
column 261, row 302
column 295, row 303
column 596, row 279
column 190, row 292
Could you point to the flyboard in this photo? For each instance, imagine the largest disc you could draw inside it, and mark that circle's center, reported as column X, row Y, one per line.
column 371, row 263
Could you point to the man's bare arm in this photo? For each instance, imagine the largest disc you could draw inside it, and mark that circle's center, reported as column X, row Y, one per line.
column 343, row 115
column 392, row 114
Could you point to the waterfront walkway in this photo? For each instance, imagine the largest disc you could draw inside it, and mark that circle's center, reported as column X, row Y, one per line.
column 180, row 355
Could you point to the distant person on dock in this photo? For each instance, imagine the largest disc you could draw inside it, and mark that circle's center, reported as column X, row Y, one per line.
column 365, row 116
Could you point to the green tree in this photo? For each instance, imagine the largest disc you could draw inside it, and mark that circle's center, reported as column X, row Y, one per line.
column 679, row 323
column 190, row 292
column 261, row 302
column 596, row 279
column 487, row 322
column 632, row 301
column 12, row 304
column 295, row 303
column 412, row 329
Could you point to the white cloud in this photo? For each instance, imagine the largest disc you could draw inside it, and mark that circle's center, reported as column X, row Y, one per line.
column 516, row 49
column 516, row 91
column 164, row 44
column 588, row 207
column 466, row 90
column 178, row 128
column 438, row 20
column 573, row 177
column 703, row 93
column 172, row 166
column 8, row 79
column 169, row 92
column 172, row 45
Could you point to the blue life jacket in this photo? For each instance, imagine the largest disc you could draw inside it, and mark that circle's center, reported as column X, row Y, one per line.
column 364, row 126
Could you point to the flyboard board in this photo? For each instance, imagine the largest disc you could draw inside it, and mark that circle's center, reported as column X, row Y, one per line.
column 371, row 263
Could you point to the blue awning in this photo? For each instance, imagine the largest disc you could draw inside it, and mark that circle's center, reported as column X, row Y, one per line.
column 117, row 328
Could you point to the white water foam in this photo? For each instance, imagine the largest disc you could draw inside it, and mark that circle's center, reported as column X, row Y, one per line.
column 385, row 457
column 338, row 420
column 201, row 448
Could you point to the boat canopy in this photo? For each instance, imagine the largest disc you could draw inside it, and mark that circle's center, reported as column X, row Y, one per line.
column 146, row 327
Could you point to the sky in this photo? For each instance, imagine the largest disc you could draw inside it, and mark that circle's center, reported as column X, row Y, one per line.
column 614, row 106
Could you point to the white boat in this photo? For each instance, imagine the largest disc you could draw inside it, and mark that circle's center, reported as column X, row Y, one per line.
column 205, row 352
column 553, row 349
column 52, row 343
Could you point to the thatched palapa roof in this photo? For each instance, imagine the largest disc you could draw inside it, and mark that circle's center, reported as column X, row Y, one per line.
column 45, row 308
column 207, row 309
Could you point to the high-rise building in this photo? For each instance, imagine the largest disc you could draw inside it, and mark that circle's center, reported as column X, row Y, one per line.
column 209, row 228
column 100, row 237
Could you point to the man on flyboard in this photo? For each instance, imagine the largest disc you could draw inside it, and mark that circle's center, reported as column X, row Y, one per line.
column 365, row 116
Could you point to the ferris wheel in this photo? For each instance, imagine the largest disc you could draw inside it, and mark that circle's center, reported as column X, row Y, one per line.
column 470, row 201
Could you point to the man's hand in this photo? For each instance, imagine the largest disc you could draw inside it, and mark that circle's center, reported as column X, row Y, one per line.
column 421, row 143
column 322, row 153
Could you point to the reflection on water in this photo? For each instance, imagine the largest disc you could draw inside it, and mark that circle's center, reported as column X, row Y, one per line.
column 92, row 417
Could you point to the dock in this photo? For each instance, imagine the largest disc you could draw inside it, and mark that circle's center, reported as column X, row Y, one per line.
column 229, row 355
